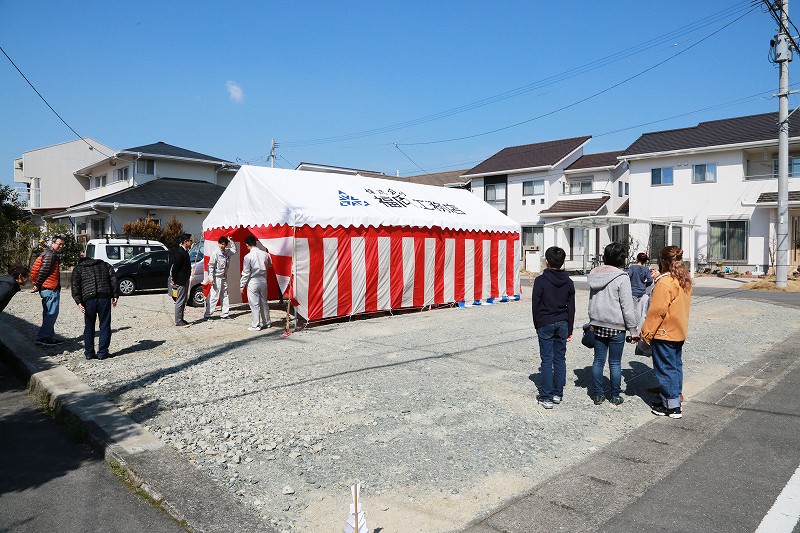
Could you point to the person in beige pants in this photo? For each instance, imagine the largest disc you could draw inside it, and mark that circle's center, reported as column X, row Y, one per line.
column 254, row 278
column 218, row 277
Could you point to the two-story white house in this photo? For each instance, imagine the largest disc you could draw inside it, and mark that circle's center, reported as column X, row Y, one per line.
column 47, row 174
column 545, row 182
column 721, row 176
column 154, row 181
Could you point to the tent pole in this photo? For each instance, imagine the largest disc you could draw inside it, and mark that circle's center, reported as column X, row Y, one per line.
column 691, row 250
column 585, row 248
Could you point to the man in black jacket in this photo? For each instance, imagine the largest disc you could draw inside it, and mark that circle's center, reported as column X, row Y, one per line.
column 10, row 285
column 180, row 275
column 94, row 289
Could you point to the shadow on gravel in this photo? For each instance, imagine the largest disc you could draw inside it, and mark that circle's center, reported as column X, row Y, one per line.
column 584, row 379
column 638, row 378
column 139, row 347
column 536, row 379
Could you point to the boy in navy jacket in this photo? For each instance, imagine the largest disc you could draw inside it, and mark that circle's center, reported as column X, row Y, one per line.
column 553, row 318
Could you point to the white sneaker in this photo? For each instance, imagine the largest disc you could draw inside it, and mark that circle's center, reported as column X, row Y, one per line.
column 254, row 328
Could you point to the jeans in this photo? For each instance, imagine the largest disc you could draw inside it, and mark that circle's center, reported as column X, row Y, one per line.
column 668, row 364
column 97, row 308
column 612, row 348
column 50, row 304
column 553, row 351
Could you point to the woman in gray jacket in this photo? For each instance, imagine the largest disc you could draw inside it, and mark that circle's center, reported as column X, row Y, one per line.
column 611, row 312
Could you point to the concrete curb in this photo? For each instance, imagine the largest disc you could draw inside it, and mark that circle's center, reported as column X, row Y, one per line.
column 173, row 483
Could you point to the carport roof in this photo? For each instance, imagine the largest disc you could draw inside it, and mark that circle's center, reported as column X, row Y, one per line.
column 604, row 221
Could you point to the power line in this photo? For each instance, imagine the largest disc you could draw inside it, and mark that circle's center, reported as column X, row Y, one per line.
column 409, row 158
column 551, row 80
column 582, row 100
column 51, row 107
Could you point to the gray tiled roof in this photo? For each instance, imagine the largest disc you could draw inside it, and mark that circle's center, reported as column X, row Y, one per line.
column 576, row 206
column 623, row 209
column 163, row 149
column 440, row 179
column 605, row 159
column 723, row 132
column 769, row 197
column 528, row 156
column 167, row 192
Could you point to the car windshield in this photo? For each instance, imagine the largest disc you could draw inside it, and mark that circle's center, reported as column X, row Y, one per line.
column 134, row 259
column 196, row 251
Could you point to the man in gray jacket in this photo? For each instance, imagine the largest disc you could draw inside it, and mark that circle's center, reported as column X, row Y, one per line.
column 611, row 312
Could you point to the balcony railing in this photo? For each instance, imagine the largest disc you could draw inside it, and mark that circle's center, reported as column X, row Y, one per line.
column 593, row 191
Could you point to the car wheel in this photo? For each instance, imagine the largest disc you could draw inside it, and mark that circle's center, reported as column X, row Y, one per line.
column 126, row 286
column 198, row 299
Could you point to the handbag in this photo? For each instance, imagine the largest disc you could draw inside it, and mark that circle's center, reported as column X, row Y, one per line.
column 588, row 336
column 644, row 349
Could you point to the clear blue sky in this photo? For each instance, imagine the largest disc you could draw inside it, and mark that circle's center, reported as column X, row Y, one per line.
column 223, row 78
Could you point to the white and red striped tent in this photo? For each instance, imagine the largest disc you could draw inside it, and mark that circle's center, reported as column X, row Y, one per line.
column 343, row 245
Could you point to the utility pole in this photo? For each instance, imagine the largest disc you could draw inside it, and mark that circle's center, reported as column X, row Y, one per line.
column 272, row 152
column 782, row 56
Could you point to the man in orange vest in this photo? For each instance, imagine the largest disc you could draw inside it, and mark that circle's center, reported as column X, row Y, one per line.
column 45, row 276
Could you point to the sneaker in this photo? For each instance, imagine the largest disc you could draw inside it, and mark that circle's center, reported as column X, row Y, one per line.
column 675, row 412
column 658, row 410
column 598, row 399
column 226, row 317
column 556, row 399
column 254, row 328
column 616, row 400
column 89, row 356
column 182, row 323
column 546, row 403
column 48, row 342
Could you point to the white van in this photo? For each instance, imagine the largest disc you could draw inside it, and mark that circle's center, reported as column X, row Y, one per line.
column 115, row 249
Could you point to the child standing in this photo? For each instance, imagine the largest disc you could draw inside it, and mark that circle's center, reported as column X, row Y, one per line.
column 553, row 317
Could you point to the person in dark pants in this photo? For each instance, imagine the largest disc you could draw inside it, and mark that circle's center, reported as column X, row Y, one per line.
column 180, row 275
column 11, row 284
column 94, row 289
column 553, row 318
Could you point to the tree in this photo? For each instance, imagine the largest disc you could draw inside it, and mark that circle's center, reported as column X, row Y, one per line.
column 172, row 232
column 145, row 229
column 12, row 214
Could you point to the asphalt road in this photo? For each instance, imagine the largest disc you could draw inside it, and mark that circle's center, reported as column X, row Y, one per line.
column 720, row 468
column 49, row 482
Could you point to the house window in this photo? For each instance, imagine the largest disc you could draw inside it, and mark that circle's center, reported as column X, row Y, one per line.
column 579, row 186
column 98, row 181
column 36, row 192
column 619, row 189
column 523, row 202
column 705, row 173
column 121, row 174
column 541, row 200
column 658, row 238
column 661, row 176
column 495, row 193
column 529, row 188
column 81, row 228
column 619, row 233
column 98, row 227
column 533, row 236
column 794, row 167
column 146, row 166
column 727, row 240
column 627, row 189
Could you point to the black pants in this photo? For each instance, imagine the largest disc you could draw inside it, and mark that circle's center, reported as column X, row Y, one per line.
column 97, row 308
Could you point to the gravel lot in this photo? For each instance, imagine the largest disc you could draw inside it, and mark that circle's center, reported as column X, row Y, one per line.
column 434, row 412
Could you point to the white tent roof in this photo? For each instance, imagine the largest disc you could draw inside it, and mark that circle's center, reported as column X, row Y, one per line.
column 273, row 196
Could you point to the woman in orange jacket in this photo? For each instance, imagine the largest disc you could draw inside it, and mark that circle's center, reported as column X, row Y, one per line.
column 665, row 328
